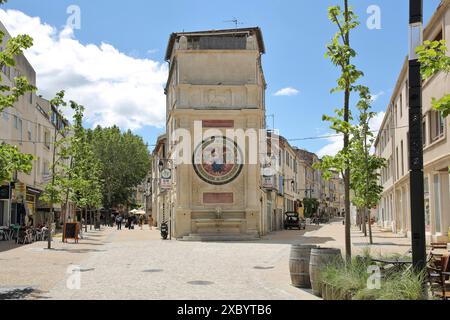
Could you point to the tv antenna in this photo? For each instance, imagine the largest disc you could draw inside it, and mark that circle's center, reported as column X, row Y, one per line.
column 235, row 21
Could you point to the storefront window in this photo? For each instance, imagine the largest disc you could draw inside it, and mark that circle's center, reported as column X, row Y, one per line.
column 427, row 204
column 2, row 212
column 437, row 202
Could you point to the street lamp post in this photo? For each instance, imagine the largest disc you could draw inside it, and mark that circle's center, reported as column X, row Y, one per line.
column 415, row 133
column 167, row 164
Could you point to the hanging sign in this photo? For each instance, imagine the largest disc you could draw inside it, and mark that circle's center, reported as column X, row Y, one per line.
column 166, row 179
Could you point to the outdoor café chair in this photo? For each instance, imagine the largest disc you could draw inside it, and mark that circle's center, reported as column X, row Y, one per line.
column 438, row 274
column 39, row 234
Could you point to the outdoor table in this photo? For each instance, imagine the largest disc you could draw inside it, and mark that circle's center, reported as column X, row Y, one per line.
column 440, row 252
column 6, row 233
column 397, row 264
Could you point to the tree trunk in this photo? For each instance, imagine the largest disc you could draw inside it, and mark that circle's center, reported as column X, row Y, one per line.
column 85, row 219
column 359, row 219
column 370, row 228
column 90, row 219
column 55, row 139
column 348, row 244
column 49, row 238
column 364, row 218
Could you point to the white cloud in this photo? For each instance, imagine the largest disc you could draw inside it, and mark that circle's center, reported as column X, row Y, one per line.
column 152, row 51
column 336, row 143
column 375, row 123
column 375, row 97
column 114, row 87
column 289, row 91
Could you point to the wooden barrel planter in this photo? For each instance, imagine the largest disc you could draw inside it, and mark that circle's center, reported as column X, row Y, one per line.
column 299, row 265
column 319, row 258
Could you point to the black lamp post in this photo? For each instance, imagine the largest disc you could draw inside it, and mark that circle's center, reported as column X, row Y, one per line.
column 415, row 133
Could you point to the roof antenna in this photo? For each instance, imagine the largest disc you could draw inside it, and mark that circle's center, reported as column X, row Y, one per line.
column 235, row 21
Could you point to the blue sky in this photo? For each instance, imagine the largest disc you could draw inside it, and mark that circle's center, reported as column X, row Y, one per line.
column 295, row 33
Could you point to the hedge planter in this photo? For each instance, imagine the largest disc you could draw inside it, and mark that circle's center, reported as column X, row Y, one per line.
column 331, row 292
column 320, row 257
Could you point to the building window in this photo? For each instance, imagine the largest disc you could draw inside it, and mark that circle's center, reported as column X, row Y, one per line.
column 424, row 133
column 403, row 160
column 437, row 202
column 427, row 204
column 397, row 170
column 395, row 115
column 20, row 128
column 30, row 132
column 47, row 139
column 401, row 105
column 437, row 125
column 46, row 171
column 407, row 95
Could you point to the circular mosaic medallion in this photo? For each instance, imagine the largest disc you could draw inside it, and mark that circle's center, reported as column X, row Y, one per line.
column 218, row 160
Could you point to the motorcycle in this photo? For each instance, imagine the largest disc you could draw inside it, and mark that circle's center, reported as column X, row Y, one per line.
column 164, row 230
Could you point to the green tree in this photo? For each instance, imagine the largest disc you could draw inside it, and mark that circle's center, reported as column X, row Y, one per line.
column 365, row 180
column 433, row 59
column 94, row 195
column 85, row 167
column 125, row 162
column 341, row 54
column 11, row 159
column 57, row 187
column 310, row 207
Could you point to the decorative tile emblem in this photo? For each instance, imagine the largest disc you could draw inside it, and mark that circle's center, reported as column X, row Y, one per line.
column 218, row 160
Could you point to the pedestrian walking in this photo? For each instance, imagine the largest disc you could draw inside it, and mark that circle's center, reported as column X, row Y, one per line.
column 141, row 222
column 150, row 222
column 130, row 222
column 119, row 222
column 113, row 218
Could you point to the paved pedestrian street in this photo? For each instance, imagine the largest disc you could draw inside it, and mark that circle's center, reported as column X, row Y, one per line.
column 137, row 264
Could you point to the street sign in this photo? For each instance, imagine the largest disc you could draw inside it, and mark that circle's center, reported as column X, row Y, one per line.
column 166, row 179
column 268, row 182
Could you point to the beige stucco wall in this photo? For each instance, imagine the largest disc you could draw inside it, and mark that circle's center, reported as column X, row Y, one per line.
column 395, row 203
column 214, row 85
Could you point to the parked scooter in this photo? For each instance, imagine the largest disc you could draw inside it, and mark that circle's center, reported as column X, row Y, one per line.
column 164, row 230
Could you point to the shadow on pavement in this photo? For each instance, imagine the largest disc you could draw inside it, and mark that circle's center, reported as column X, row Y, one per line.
column 381, row 244
column 287, row 237
column 78, row 250
column 15, row 293
column 9, row 245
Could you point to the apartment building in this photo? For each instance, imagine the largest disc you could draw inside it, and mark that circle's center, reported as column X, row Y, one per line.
column 31, row 126
column 297, row 180
column 392, row 143
column 158, row 191
column 310, row 179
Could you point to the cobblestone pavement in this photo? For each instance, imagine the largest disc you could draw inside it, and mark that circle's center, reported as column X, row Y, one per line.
column 137, row 264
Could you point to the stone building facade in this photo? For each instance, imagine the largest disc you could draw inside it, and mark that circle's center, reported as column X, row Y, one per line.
column 216, row 84
column 393, row 142
column 31, row 126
